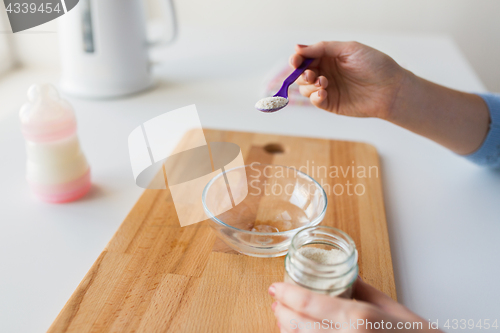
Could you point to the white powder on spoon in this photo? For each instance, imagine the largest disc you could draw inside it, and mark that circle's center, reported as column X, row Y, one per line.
column 325, row 257
column 270, row 103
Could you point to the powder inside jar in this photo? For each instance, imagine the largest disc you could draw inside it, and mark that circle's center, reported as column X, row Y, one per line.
column 325, row 257
column 271, row 103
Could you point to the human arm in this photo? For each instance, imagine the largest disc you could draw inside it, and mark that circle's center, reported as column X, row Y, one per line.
column 352, row 79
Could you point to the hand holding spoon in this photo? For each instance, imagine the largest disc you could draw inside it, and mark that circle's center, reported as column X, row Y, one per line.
column 280, row 99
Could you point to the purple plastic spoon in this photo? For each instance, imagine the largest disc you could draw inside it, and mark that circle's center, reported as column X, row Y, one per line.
column 283, row 92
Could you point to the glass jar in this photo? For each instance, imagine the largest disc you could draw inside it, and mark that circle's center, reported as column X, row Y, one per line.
column 334, row 279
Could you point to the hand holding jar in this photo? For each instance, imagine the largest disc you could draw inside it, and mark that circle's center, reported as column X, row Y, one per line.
column 298, row 309
column 321, row 277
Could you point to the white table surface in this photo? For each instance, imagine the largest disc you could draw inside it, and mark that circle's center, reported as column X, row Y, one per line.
column 443, row 213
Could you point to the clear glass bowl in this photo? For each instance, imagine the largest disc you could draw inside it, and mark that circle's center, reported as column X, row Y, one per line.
column 269, row 205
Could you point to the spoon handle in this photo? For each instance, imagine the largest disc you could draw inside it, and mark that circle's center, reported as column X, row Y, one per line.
column 283, row 92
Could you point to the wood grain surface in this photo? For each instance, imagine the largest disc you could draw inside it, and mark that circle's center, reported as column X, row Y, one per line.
column 155, row 276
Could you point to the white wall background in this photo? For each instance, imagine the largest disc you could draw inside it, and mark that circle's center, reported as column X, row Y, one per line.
column 474, row 24
column 6, row 46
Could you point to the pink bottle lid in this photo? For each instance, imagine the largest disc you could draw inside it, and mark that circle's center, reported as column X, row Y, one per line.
column 46, row 116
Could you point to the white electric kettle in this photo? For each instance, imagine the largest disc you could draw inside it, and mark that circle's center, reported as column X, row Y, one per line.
column 104, row 48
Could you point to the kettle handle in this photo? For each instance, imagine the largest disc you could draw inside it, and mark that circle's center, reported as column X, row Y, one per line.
column 175, row 29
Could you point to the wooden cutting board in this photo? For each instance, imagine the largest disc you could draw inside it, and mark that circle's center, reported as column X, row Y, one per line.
column 155, row 276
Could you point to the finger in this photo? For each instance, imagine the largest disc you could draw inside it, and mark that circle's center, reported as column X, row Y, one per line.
column 292, row 322
column 307, row 90
column 309, row 303
column 282, row 330
column 329, row 49
column 365, row 292
column 281, row 327
column 309, row 77
column 320, row 84
column 296, row 60
column 319, row 99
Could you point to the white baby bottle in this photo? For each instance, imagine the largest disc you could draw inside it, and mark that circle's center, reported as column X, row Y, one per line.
column 57, row 170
